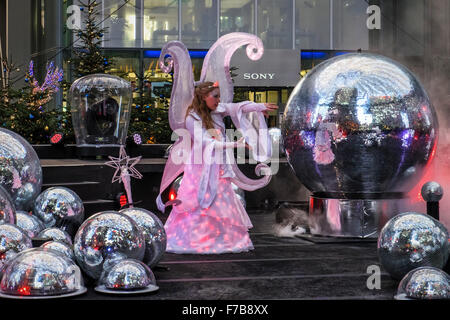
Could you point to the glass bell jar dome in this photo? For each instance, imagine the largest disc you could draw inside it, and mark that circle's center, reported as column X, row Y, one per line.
column 100, row 106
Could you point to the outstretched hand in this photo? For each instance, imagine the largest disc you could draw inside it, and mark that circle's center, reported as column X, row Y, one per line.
column 269, row 107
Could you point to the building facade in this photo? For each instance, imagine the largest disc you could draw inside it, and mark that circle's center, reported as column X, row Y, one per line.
column 301, row 33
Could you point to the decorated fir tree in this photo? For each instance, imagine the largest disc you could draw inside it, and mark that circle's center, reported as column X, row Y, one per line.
column 23, row 108
column 87, row 56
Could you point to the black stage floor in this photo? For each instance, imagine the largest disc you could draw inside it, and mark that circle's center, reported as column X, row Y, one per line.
column 277, row 269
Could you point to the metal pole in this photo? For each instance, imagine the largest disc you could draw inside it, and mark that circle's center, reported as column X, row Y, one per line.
column 331, row 26
column 255, row 12
column 7, row 39
column 293, row 24
column 1, row 62
column 218, row 18
column 179, row 20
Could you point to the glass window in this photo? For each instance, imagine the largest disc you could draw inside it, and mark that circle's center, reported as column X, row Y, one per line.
column 275, row 23
column 237, row 16
column 199, row 23
column 122, row 26
column 350, row 30
column 312, row 24
column 155, row 82
column 125, row 64
column 160, row 22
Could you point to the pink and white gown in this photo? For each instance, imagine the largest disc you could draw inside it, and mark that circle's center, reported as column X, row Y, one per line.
column 210, row 218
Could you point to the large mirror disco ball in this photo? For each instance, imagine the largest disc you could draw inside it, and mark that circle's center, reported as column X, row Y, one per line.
column 106, row 238
column 59, row 207
column 20, row 169
column 40, row 272
column 411, row 240
column 359, row 123
column 154, row 233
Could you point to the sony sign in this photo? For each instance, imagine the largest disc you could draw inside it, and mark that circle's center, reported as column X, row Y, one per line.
column 256, row 76
column 276, row 68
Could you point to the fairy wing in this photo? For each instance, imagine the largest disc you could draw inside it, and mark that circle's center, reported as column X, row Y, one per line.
column 216, row 66
column 183, row 81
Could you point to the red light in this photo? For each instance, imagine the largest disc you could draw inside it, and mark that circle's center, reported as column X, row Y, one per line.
column 172, row 195
column 25, row 290
column 123, row 200
column 56, row 138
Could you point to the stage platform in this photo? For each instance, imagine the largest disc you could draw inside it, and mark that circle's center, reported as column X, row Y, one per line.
column 277, row 269
column 283, row 268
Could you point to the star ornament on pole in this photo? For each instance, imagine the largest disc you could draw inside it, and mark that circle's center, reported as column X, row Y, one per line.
column 125, row 170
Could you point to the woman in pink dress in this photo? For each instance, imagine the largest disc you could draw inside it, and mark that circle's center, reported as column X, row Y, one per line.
column 210, row 218
column 207, row 217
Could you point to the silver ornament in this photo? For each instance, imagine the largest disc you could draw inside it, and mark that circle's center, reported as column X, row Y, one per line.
column 128, row 274
column 20, row 169
column 167, row 152
column 7, row 208
column 359, row 123
column 411, row 240
column 424, row 283
column 104, row 237
column 432, row 191
column 12, row 241
column 58, row 207
column 237, row 190
column 242, row 200
column 176, row 184
column 60, row 246
column 29, row 223
column 55, row 234
column 154, row 233
column 40, row 272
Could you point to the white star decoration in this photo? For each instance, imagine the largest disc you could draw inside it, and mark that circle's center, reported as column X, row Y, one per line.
column 124, row 166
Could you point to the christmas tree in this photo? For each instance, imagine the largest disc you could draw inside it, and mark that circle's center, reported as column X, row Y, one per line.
column 22, row 108
column 87, row 55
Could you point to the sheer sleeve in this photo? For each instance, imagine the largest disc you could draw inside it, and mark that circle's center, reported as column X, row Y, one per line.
column 202, row 137
column 252, row 106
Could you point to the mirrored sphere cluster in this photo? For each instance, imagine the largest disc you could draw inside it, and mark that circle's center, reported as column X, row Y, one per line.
column 411, row 240
column 7, row 208
column 55, row 234
column 359, row 123
column 29, row 223
column 20, row 169
column 153, row 231
column 12, row 241
column 425, row 283
column 106, row 238
column 61, row 247
column 40, row 272
column 59, row 206
column 128, row 274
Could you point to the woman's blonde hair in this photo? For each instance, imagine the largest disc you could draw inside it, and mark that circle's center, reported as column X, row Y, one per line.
column 199, row 106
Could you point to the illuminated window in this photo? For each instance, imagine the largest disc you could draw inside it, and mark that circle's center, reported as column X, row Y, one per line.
column 237, row 16
column 121, row 24
column 199, row 23
column 160, row 22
